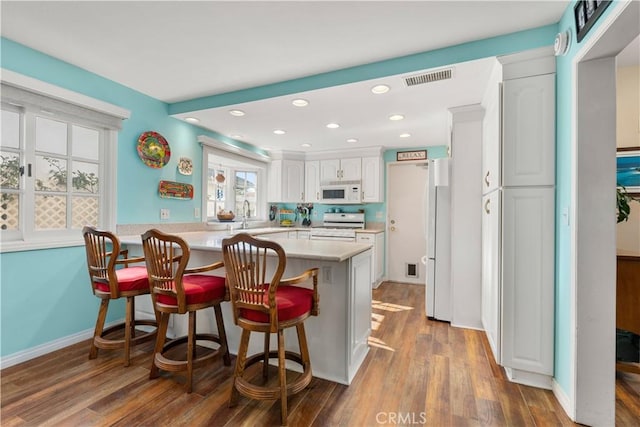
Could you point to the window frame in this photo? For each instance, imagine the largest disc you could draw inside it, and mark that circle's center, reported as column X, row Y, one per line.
column 231, row 163
column 69, row 107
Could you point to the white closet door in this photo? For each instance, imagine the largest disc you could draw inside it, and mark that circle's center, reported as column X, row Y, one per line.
column 528, row 156
column 528, row 279
column 491, row 295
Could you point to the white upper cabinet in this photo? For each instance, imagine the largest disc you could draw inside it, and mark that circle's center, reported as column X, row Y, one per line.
column 528, row 117
column 349, row 169
column 286, row 181
column 312, row 181
column 372, row 179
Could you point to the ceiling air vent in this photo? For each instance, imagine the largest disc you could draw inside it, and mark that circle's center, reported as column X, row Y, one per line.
column 433, row 76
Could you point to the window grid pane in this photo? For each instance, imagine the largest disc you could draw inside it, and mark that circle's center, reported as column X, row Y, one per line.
column 10, row 129
column 84, row 211
column 50, row 174
column 51, row 136
column 51, row 212
column 9, row 170
column 84, row 178
column 9, row 211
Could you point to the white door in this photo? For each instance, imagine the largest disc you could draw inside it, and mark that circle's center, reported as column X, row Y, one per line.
column 406, row 222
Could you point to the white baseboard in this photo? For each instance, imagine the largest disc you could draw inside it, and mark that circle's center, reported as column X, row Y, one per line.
column 563, row 399
column 37, row 351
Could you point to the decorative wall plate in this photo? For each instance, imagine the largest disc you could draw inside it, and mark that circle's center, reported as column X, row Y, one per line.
column 153, row 149
column 185, row 166
column 175, row 190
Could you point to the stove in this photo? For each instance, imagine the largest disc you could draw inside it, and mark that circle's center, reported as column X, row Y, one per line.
column 338, row 226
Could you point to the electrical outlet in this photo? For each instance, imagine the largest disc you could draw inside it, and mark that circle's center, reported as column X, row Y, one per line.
column 196, row 212
column 164, row 213
column 326, row 274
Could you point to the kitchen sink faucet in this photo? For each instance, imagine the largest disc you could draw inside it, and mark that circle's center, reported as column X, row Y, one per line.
column 245, row 214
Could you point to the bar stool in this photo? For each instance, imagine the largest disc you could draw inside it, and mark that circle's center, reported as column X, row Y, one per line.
column 268, row 304
column 108, row 283
column 176, row 289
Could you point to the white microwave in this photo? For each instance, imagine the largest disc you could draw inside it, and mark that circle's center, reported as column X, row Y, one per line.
column 341, row 193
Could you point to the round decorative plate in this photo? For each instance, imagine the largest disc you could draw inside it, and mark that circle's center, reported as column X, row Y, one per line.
column 185, row 166
column 153, row 149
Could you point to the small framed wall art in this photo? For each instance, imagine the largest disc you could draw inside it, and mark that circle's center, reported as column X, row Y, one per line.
column 405, row 156
column 628, row 169
column 586, row 13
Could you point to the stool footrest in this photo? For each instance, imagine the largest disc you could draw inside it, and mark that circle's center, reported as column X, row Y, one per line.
column 110, row 344
column 267, row 393
column 172, row 365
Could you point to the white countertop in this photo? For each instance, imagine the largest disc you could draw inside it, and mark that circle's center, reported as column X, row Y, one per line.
column 295, row 248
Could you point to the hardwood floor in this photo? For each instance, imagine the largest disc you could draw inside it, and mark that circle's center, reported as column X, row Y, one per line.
column 418, row 372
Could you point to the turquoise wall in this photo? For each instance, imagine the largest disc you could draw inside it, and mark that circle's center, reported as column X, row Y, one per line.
column 61, row 303
column 59, row 295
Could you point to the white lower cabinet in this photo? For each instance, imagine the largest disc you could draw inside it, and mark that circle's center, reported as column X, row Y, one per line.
column 359, row 327
column 377, row 265
column 518, row 281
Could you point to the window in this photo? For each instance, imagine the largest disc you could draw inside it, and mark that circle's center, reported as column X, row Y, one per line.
column 231, row 180
column 55, row 164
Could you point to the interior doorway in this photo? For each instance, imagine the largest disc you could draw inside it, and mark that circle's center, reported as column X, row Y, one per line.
column 593, row 280
column 407, row 185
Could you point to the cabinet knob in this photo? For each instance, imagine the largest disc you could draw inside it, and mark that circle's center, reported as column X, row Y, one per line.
column 486, row 178
column 486, row 206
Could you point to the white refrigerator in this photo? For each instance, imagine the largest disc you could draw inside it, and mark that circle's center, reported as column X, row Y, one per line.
column 438, row 230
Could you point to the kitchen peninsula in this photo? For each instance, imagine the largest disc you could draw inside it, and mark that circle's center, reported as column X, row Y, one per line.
column 337, row 337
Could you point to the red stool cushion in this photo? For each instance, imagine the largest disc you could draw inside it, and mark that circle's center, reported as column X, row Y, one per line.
column 292, row 301
column 198, row 288
column 129, row 279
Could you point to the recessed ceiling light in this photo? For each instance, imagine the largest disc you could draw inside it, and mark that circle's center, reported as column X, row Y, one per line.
column 333, row 125
column 191, row 120
column 352, row 140
column 299, row 102
column 305, row 145
column 405, row 135
column 396, row 117
column 378, row 89
column 279, row 132
column 237, row 113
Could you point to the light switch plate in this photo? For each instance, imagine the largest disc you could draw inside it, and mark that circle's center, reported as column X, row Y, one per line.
column 164, row 213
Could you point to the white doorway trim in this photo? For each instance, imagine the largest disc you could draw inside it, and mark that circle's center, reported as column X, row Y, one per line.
column 593, row 245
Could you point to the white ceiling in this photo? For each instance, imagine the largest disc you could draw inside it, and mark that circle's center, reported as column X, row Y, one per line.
column 178, row 50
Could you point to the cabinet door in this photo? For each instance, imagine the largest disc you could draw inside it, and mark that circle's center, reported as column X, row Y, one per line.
column 312, row 181
column 528, row 279
column 303, row 235
column 371, row 179
column 292, row 181
column 351, row 169
column 379, row 257
column 491, row 270
column 528, row 156
column 329, row 170
column 491, row 151
column 360, row 304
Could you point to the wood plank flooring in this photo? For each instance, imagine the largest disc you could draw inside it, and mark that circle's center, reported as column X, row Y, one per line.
column 418, row 372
